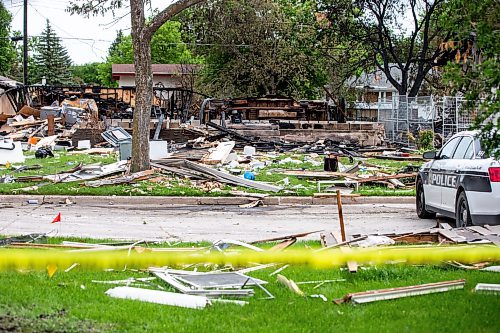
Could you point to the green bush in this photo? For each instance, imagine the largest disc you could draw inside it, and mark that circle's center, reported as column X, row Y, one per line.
column 425, row 140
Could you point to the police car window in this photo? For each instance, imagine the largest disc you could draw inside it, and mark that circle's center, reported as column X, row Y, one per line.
column 462, row 148
column 470, row 152
column 448, row 149
column 480, row 154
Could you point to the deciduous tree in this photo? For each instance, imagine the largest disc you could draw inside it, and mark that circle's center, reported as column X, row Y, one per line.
column 7, row 53
column 475, row 70
column 142, row 32
column 257, row 47
column 401, row 34
column 167, row 47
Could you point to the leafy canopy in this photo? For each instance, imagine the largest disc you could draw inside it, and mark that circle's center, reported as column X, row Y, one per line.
column 7, row 52
column 257, row 47
column 476, row 69
column 167, row 47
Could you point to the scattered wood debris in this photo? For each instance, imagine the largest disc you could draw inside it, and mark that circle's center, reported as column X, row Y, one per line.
column 289, row 284
column 393, row 293
column 488, row 288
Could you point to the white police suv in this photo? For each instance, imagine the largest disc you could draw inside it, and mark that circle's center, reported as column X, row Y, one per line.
column 460, row 182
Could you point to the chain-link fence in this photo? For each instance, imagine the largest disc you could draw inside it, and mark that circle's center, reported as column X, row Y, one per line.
column 406, row 117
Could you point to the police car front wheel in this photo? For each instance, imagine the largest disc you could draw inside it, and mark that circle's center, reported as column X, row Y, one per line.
column 420, row 199
column 462, row 212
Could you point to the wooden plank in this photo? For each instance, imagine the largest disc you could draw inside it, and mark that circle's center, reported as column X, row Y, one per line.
column 141, row 175
column 334, row 195
column 416, row 238
column 285, row 237
column 352, row 266
column 480, row 230
column 445, row 226
column 317, row 174
column 340, row 244
column 469, row 235
column 341, row 216
column 290, row 285
column 452, row 235
column 328, row 239
column 493, row 238
column 283, row 245
column 494, row 228
column 50, row 125
column 389, row 177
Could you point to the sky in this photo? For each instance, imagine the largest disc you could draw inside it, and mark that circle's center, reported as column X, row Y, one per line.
column 86, row 39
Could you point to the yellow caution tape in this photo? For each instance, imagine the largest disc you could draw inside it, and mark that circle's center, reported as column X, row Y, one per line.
column 41, row 259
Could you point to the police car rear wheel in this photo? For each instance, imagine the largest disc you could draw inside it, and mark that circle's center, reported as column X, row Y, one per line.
column 420, row 199
column 462, row 212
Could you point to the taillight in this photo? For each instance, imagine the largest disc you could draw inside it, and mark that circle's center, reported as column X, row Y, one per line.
column 494, row 174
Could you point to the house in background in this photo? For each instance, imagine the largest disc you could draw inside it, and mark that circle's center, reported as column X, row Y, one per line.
column 373, row 91
column 164, row 75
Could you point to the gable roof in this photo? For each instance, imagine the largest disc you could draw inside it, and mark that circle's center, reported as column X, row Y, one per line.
column 158, row 69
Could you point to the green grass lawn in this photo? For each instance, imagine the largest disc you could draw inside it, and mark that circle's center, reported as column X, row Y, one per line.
column 70, row 302
column 183, row 187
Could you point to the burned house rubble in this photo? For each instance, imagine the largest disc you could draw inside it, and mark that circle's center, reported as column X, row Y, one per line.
column 177, row 113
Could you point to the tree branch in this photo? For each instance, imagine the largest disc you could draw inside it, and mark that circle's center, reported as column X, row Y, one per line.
column 166, row 14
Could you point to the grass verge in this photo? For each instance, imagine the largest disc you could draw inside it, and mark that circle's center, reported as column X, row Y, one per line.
column 71, row 302
column 173, row 186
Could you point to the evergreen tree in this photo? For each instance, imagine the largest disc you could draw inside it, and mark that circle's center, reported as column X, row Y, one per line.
column 51, row 59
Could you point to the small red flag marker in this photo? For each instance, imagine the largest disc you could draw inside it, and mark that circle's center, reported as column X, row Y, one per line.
column 57, row 218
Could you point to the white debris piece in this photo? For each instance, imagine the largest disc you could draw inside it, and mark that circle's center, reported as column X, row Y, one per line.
column 289, row 160
column 487, row 288
column 491, row 269
column 248, row 151
column 159, row 297
column 372, row 240
column 221, row 153
column 11, row 152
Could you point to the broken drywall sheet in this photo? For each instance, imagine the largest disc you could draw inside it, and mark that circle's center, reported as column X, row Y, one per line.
column 159, row 297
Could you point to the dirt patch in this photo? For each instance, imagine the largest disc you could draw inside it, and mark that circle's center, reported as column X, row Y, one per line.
column 55, row 322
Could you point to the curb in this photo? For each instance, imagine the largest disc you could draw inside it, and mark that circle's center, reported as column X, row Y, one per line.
column 195, row 201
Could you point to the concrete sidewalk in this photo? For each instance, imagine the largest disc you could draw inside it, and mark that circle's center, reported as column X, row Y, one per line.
column 227, row 201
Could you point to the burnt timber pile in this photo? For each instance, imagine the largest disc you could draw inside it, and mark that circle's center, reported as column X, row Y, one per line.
column 178, row 113
column 283, row 118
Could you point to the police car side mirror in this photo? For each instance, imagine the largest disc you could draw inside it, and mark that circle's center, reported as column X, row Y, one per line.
column 430, row 155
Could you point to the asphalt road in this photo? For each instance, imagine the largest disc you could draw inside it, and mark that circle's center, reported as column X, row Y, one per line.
column 197, row 223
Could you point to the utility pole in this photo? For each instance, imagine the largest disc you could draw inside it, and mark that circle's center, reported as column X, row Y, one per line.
column 25, row 44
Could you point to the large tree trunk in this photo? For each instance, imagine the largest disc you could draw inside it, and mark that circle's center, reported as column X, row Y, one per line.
column 144, row 88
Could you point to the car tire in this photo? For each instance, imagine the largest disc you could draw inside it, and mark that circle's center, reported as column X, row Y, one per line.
column 462, row 212
column 420, row 200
